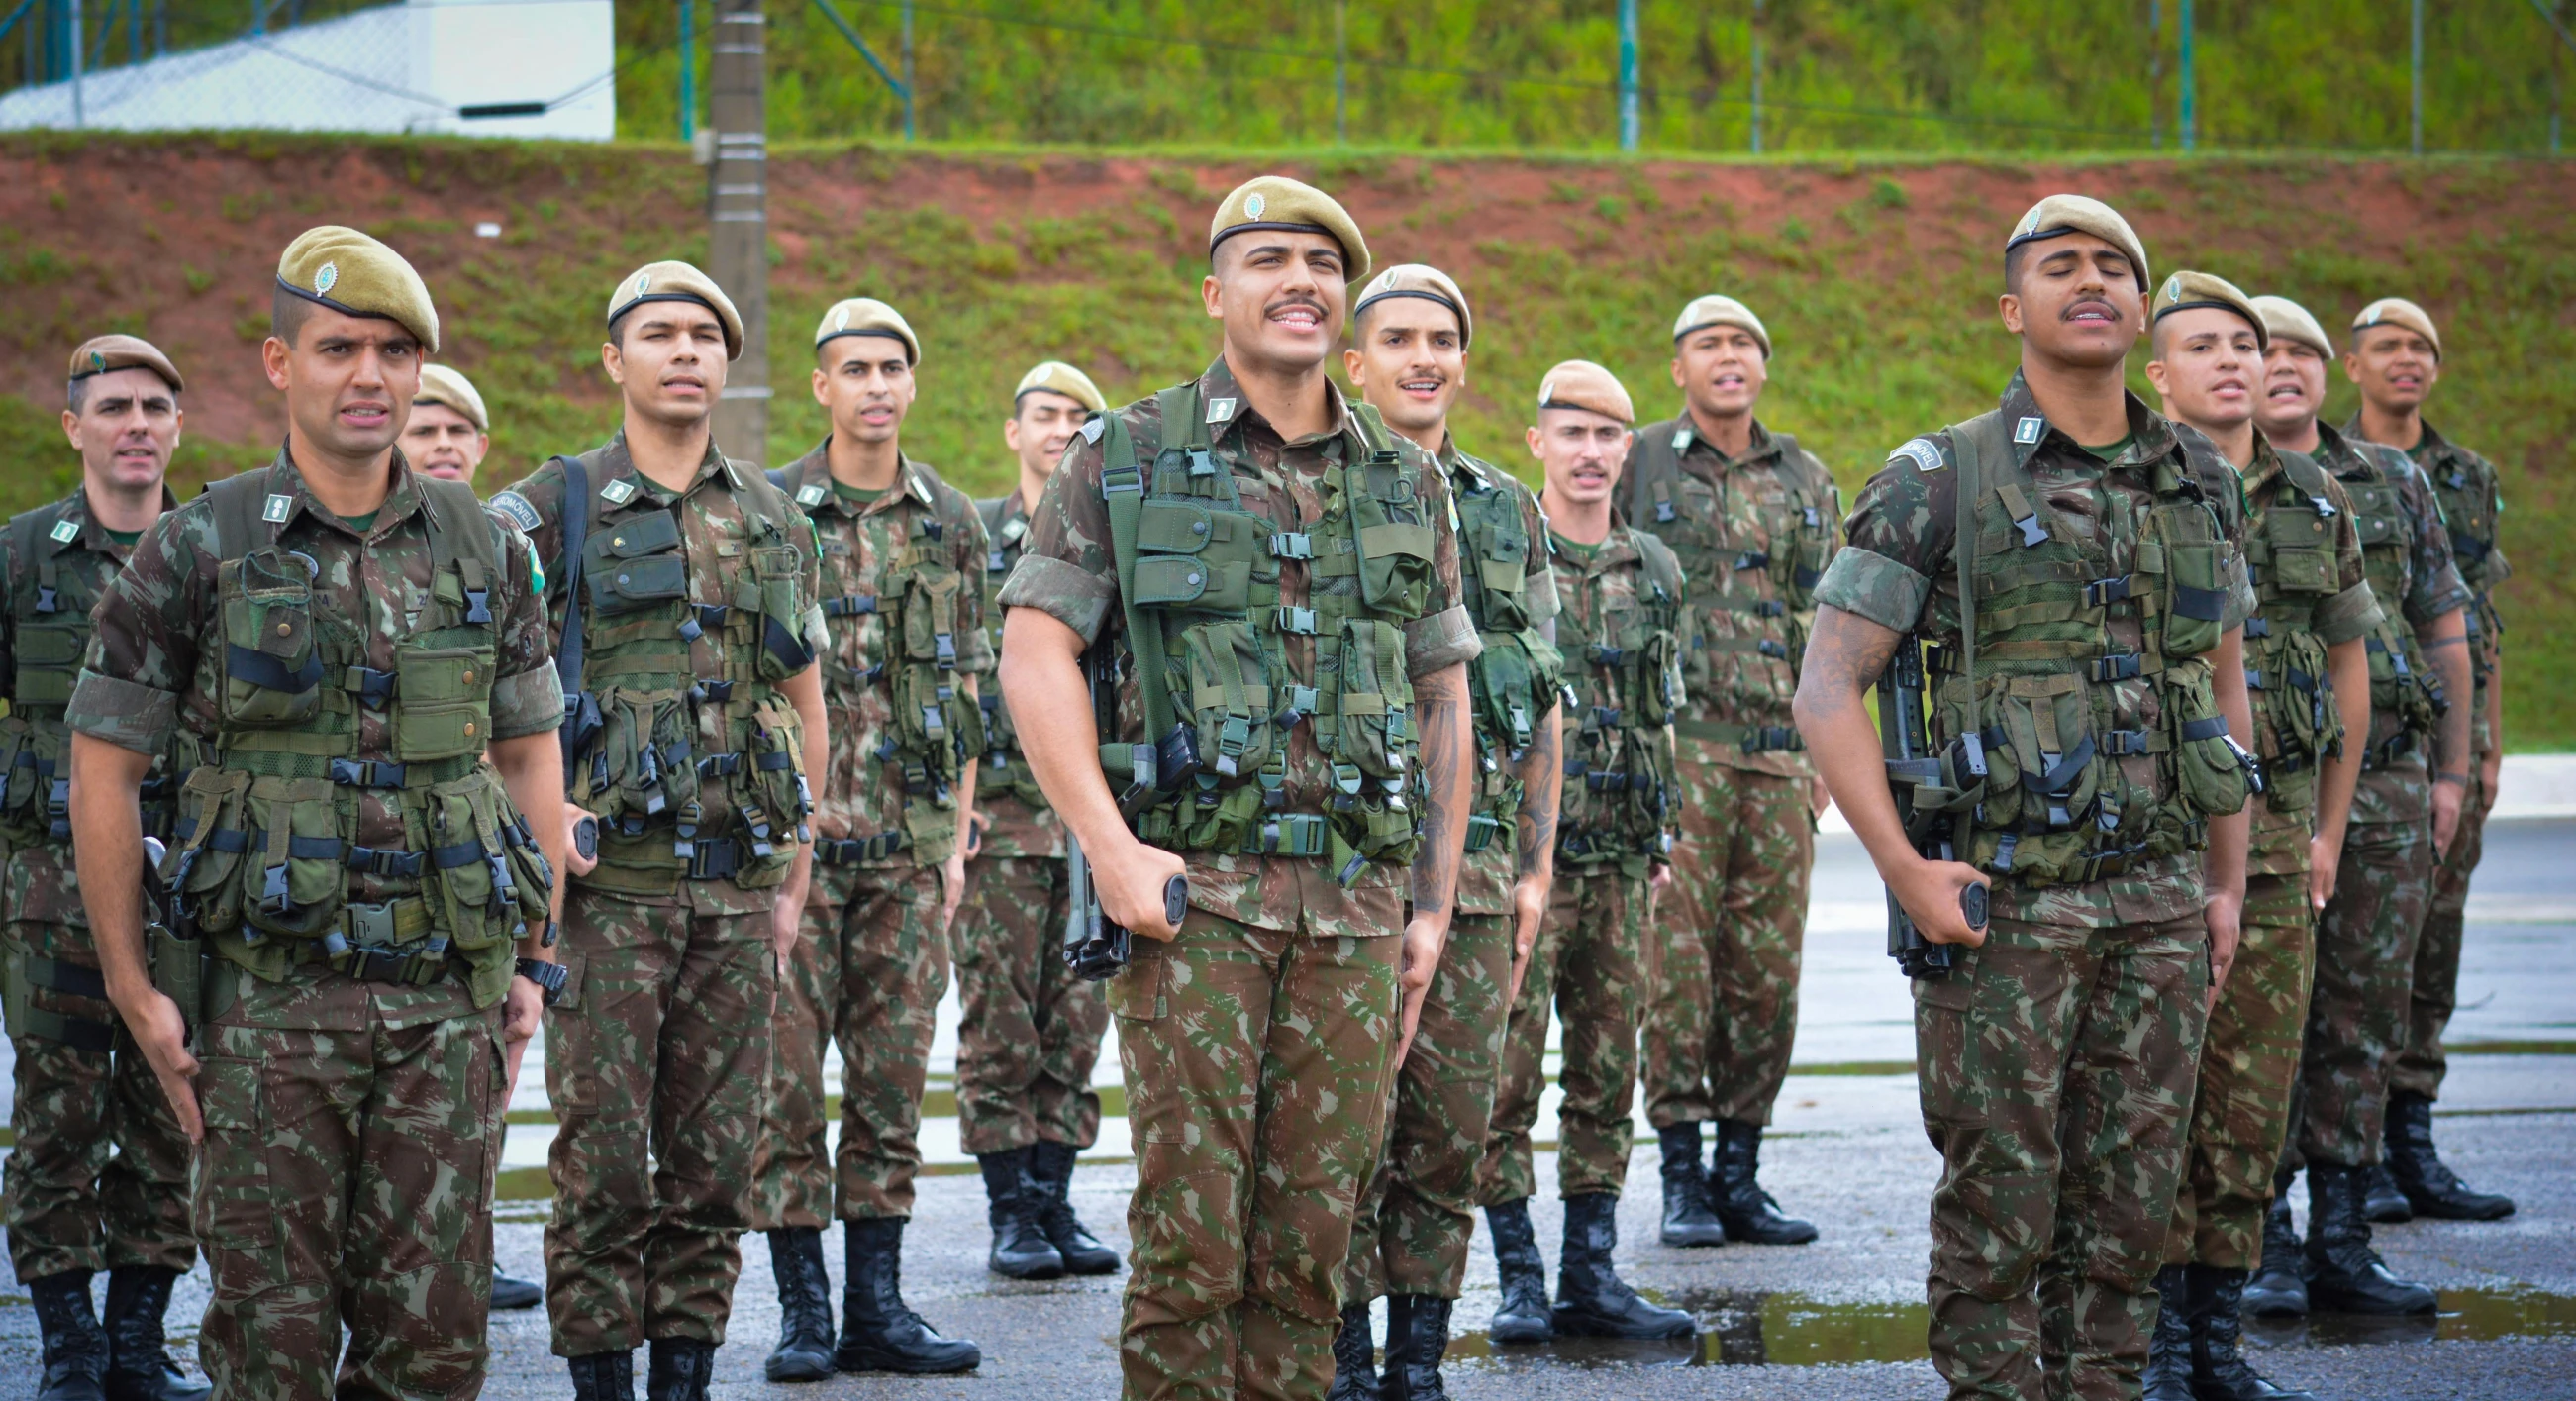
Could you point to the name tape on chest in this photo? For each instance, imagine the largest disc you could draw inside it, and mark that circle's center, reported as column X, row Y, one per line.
column 2029, row 429
column 617, row 493
column 1923, row 453
column 66, row 532
column 514, row 508
column 276, row 509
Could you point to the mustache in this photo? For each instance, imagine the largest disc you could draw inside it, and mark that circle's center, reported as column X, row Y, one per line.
column 1298, row 299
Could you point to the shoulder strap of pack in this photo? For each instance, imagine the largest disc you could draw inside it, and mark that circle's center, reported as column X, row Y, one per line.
column 1122, row 489
column 576, row 533
column 33, row 546
column 991, row 511
column 1653, row 470
column 778, row 477
column 1662, row 566
column 463, row 534
column 236, row 503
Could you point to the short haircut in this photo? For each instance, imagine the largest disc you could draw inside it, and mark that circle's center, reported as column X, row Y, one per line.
column 2014, row 257
column 287, row 313
column 1359, row 318
column 76, row 393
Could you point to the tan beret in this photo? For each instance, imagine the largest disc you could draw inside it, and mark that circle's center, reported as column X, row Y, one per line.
column 1423, row 281
column 2060, row 215
column 2184, row 290
column 1057, row 377
column 441, row 385
column 1277, row 202
column 677, row 282
column 1580, row 384
column 1714, row 310
column 2397, row 311
column 2289, row 321
column 100, row 354
column 345, row 270
column 866, row 316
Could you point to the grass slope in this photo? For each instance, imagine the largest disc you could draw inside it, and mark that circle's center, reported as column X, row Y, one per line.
column 1877, row 281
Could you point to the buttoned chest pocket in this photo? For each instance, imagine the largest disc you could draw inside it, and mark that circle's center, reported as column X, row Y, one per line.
column 446, row 702
column 272, row 674
column 928, row 586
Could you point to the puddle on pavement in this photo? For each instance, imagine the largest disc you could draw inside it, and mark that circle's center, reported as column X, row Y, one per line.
column 1752, row 1328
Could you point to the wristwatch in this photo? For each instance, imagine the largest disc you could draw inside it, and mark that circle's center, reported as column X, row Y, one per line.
column 549, row 977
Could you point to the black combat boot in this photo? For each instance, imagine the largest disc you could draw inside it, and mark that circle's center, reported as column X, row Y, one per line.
column 1417, row 1337
column 2430, row 1187
column 1748, row 1212
column 75, row 1346
column 1355, row 1357
column 2168, row 1375
column 1051, row 1166
column 603, row 1376
column 1591, row 1300
column 138, row 1357
column 682, row 1370
column 1522, row 1316
column 1020, row 1246
column 2219, row 1371
column 512, row 1292
column 1687, row 1218
column 2381, row 1201
column 2279, row 1289
column 2344, row 1274
column 804, row 1351
column 878, row 1333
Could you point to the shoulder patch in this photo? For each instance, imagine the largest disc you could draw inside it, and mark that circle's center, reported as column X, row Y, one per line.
column 811, row 494
column 514, row 508
column 1923, row 452
column 618, row 493
column 66, row 532
column 1094, row 426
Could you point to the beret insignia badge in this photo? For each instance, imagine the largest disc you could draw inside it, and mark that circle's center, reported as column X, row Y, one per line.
column 643, row 282
column 97, row 362
column 1253, row 205
column 325, row 278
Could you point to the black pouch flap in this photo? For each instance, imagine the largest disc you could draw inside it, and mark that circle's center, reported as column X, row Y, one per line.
column 631, row 583
column 648, row 534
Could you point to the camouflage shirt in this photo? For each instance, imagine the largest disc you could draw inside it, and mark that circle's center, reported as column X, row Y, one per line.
column 41, row 883
column 2472, row 495
column 1602, row 591
column 1071, row 573
column 2279, row 845
column 859, row 543
column 149, row 675
column 2429, row 586
column 1019, row 821
column 1485, row 878
column 1897, row 570
column 1745, row 505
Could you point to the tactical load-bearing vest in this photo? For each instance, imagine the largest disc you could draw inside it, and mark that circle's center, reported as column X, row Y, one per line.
column 1003, row 770
column 2401, row 685
column 1622, row 691
column 268, row 820
column 49, row 607
column 1199, row 574
column 2031, row 766
column 644, row 720
column 1684, row 512
column 2290, row 554
column 2471, row 500
column 1515, row 680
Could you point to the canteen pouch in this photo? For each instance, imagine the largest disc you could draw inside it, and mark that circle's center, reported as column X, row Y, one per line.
column 1375, row 701
column 206, row 876
column 271, row 676
column 2304, row 719
column 778, row 572
column 770, row 805
column 442, row 697
column 293, row 877
column 2195, row 595
column 2043, row 781
column 1394, row 542
column 24, row 787
column 481, row 897
column 642, row 764
column 2213, row 781
column 1229, row 691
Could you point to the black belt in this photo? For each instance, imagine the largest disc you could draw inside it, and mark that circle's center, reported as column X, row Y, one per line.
column 850, row 851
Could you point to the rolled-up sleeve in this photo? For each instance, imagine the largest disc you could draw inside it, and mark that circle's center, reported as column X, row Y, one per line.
column 144, row 637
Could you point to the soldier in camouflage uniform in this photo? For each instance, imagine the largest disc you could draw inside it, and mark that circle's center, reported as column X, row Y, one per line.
column 2095, row 783
column 693, row 711
column 82, row 1088
column 1032, row 1029
column 1412, row 331
column 354, row 869
column 1623, row 635
column 1752, row 517
column 1290, row 569
column 2396, row 360
column 901, row 551
column 2407, row 557
column 2217, row 357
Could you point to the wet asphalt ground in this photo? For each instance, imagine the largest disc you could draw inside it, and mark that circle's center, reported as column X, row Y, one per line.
column 1841, row 1317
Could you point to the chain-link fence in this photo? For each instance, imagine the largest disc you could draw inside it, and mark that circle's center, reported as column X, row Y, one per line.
column 490, row 67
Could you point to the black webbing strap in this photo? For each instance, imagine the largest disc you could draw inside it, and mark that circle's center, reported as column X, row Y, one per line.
column 576, row 534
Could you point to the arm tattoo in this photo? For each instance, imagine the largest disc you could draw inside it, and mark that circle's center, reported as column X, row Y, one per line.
column 1846, row 654
column 1441, row 708
column 1536, row 824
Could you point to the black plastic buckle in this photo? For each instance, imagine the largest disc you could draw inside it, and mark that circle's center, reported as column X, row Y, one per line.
column 850, row 605
column 2102, row 593
column 718, row 859
column 1603, row 654
column 2119, row 666
column 1753, row 559
column 366, row 773
column 1772, row 647
column 375, row 688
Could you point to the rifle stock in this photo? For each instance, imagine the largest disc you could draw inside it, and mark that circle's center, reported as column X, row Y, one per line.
column 1903, row 739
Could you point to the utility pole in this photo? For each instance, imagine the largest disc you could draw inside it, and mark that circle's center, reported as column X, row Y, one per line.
column 688, row 75
column 2415, row 78
column 907, row 70
column 1757, row 77
column 2155, row 73
column 1627, row 75
column 738, row 219
column 1341, row 72
column 2188, row 118
column 80, row 118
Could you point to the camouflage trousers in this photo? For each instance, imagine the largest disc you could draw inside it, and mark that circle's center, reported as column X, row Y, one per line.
column 1418, row 1215
column 70, row 1206
column 1724, row 1010
column 2357, row 1012
column 2435, row 992
column 654, row 1062
column 2249, row 1063
column 346, row 1178
column 2056, row 1073
column 1031, row 1032
column 1591, row 966
column 1256, row 1063
column 870, row 966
